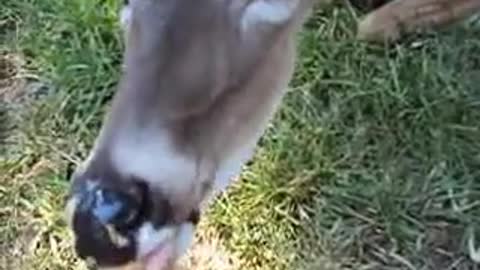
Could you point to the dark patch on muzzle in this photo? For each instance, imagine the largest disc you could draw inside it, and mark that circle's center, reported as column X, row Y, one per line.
column 105, row 222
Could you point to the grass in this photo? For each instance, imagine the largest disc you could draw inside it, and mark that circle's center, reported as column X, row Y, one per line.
column 372, row 162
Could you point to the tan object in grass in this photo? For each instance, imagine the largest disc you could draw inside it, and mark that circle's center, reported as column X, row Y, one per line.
column 391, row 21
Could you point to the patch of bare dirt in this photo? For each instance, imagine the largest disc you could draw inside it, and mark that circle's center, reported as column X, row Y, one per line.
column 443, row 247
column 18, row 88
column 12, row 85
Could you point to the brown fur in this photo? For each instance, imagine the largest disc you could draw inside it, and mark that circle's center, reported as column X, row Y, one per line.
column 211, row 98
column 198, row 73
column 399, row 17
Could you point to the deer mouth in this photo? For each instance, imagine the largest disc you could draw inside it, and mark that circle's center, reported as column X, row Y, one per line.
column 159, row 258
column 159, row 248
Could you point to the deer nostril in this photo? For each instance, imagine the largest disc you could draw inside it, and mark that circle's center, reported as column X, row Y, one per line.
column 117, row 209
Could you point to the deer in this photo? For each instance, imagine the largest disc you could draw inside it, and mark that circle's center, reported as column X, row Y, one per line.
column 391, row 20
column 200, row 82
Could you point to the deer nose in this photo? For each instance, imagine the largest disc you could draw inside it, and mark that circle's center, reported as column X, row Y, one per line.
column 104, row 224
column 118, row 209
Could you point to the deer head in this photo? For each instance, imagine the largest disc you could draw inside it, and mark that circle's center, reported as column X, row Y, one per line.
column 201, row 81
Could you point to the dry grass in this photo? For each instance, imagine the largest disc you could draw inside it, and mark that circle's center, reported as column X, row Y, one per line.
column 210, row 253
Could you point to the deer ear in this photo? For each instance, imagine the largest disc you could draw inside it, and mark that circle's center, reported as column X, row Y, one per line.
column 268, row 12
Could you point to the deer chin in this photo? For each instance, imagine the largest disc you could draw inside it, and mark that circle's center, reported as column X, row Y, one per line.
column 160, row 248
column 159, row 258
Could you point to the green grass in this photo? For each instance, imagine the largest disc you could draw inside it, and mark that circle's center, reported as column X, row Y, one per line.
column 372, row 162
